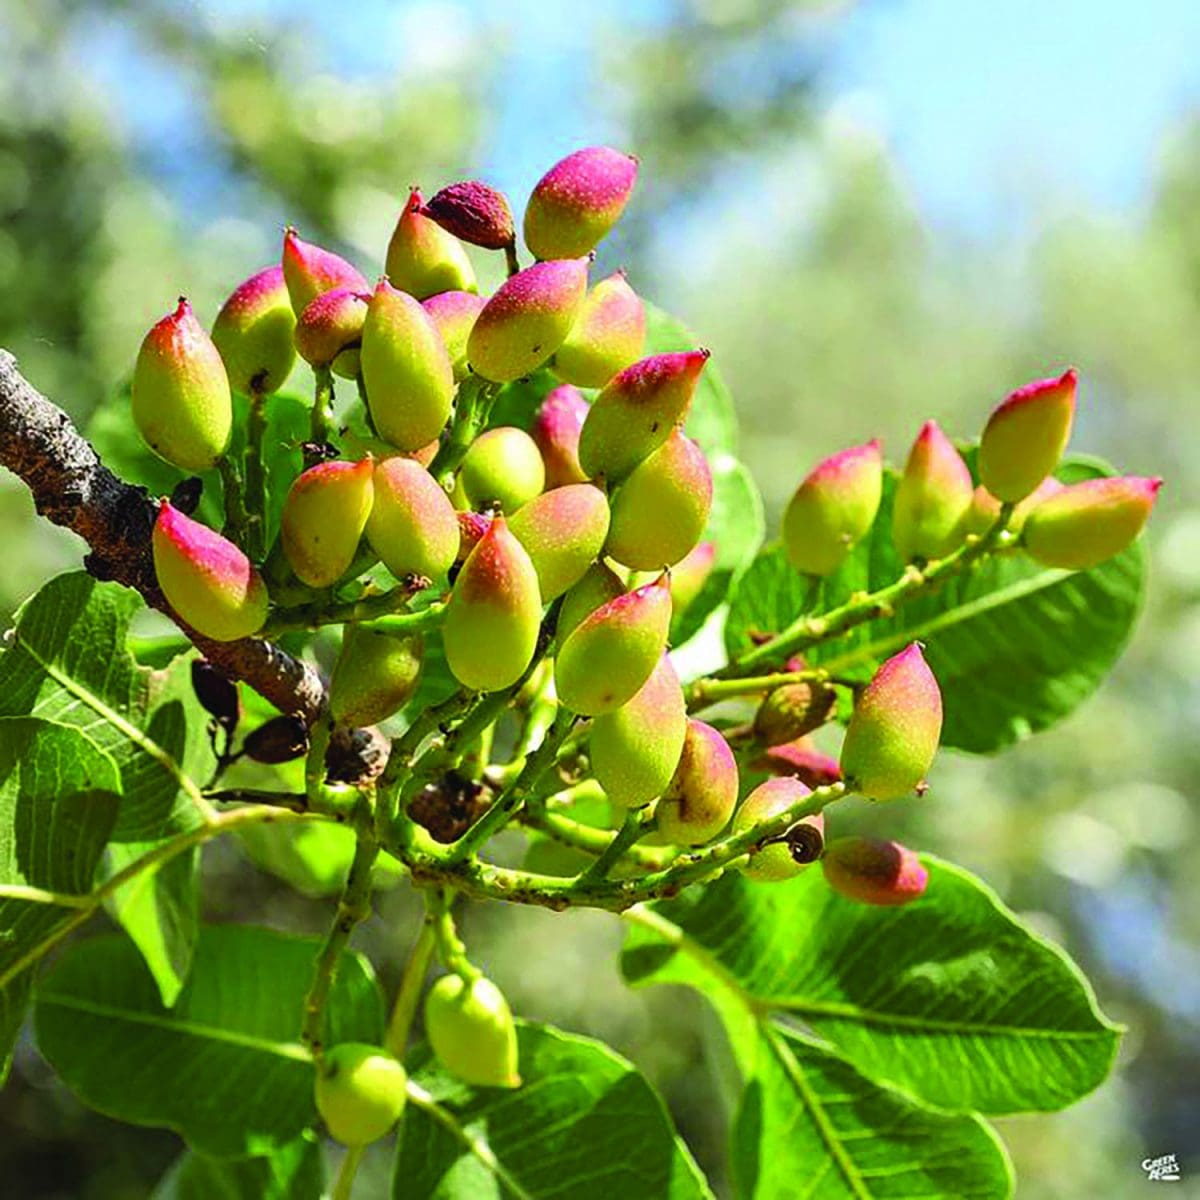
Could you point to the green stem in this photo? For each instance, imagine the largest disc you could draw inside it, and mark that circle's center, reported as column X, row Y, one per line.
column 319, row 735
column 589, row 839
column 511, row 261
column 322, row 411
column 807, row 631
column 256, row 480
column 353, row 907
column 408, row 996
column 344, row 1185
column 505, row 806
column 237, row 519
column 474, row 406
column 336, row 802
column 637, row 822
column 704, row 692
column 379, row 610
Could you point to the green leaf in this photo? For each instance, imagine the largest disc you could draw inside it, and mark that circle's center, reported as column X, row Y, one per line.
column 713, row 420
column 158, row 908
column 949, row 997
column 294, row 1172
column 224, row 1067
column 313, row 857
column 67, row 662
column 59, row 795
column 810, row 1125
column 1015, row 646
column 736, row 526
column 584, row 1124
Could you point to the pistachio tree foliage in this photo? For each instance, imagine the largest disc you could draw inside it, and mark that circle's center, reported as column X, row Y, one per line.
column 495, row 518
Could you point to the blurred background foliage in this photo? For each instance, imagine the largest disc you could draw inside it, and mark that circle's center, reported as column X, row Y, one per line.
column 151, row 149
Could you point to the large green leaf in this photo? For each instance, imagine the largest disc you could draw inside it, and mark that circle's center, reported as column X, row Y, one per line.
column 59, row 795
column 224, row 1067
column 950, row 997
column 67, row 662
column 159, row 909
column 1015, row 646
column 811, row 1125
column 294, row 1172
column 584, row 1124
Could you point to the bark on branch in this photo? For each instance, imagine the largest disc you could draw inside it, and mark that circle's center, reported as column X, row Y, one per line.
column 74, row 489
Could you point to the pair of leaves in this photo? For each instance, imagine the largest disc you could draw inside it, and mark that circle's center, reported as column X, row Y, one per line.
column 1015, row 646
column 948, row 1002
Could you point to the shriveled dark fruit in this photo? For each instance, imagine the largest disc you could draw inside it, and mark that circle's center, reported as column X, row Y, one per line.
column 279, row 740
column 217, row 694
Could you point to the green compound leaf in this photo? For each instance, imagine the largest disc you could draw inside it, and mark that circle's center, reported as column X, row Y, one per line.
column 59, row 795
column 1015, row 646
column 810, row 1125
column 585, row 1126
column 67, row 662
column 294, row 1172
column 225, row 1067
column 159, row 909
column 950, row 997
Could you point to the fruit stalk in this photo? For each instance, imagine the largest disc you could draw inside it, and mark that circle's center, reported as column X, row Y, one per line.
column 471, row 412
column 255, row 475
column 322, row 412
column 637, row 823
column 408, row 995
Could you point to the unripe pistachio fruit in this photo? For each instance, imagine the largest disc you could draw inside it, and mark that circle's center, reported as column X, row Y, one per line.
column 792, row 710
column 599, row 585
column 495, row 609
column 329, row 330
column 932, row 497
column 556, row 428
column 323, row 518
column 786, row 857
column 253, row 332
column 406, row 369
column 412, row 525
column 309, row 270
column 833, row 509
column 690, row 574
column 802, row 760
column 985, row 508
column 1087, row 523
column 637, row 411
column 375, row 675
column 503, row 467
column 454, row 315
column 181, row 400
column 578, row 201
column 423, row 259
column 635, row 749
column 609, row 655
column 563, row 532
column 874, row 871
column 701, row 796
column 471, row 527
column 474, row 212
column 206, row 579
column 527, row 319
column 472, row 1032
column 360, row 1092
column 607, row 336
column 660, row 511
column 893, row 735
column 1026, row 436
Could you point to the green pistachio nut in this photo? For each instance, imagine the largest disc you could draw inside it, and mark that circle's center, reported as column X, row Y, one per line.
column 406, row 370
column 472, row 1032
column 182, row 405
column 894, row 732
column 253, row 333
column 792, row 710
column 563, row 531
column 502, row 469
column 1088, row 523
column 609, row 655
column 1025, row 437
column 700, row 798
column 786, row 856
column 454, row 315
column 637, row 411
column 492, row 618
column 660, row 511
column 423, row 259
column 599, row 584
column 375, row 675
column 329, row 331
column 412, row 526
column 635, row 749
column 324, row 517
column 310, row 270
column 932, row 498
column 206, row 579
column 556, row 428
column 690, row 574
column 576, row 203
column 833, row 509
column 608, row 335
column 360, row 1092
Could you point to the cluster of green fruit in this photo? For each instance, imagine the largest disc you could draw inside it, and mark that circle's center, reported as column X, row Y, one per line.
column 580, row 536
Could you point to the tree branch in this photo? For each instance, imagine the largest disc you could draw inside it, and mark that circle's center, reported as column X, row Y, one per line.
column 74, row 489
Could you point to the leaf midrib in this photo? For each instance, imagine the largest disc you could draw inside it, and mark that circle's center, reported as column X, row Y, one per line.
column 288, row 1050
